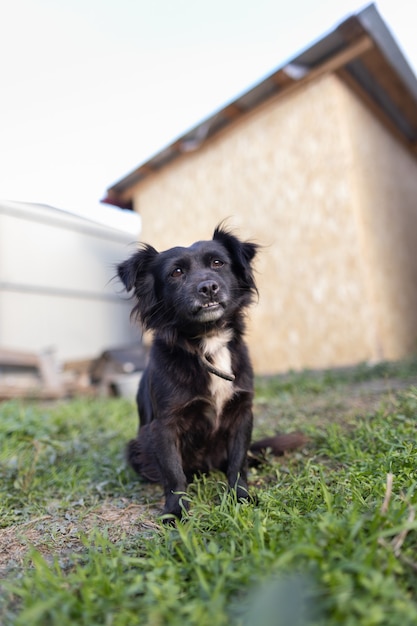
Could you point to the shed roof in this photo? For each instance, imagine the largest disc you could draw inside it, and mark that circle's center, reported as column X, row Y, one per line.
column 360, row 50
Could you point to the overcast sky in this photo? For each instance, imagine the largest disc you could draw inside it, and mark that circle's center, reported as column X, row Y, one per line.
column 92, row 88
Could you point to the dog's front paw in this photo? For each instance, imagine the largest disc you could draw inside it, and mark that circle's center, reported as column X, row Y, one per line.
column 176, row 508
column 243, row 495
column 242, row 492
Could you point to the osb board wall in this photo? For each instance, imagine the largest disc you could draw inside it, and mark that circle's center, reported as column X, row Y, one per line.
column 386, row 175
column 285, row 177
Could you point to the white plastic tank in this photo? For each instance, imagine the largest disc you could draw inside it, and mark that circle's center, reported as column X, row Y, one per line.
column 56, row 287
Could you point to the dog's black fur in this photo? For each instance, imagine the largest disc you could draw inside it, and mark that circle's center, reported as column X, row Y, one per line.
column 195, row 396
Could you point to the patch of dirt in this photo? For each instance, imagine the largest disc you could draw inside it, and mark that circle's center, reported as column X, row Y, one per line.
column 368, row 397
column 57, row 535
column 341, row 404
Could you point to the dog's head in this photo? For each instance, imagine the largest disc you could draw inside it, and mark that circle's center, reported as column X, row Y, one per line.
column 186, row 290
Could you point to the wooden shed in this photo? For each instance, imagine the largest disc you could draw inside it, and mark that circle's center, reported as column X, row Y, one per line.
column 318, row 163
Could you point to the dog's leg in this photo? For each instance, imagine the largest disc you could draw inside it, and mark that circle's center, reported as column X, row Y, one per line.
column 237, row 465
column 238, row 481
column 169, row 460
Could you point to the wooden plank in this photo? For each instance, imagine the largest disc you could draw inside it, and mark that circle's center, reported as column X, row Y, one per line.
column 10, row 392
column 231, row 111
column 353, row 51
column 391, row 83
column 17, row 358
column 281, row 79
column 44, row 382
column 376, row 110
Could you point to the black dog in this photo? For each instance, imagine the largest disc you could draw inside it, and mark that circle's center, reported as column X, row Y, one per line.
column 195, row 396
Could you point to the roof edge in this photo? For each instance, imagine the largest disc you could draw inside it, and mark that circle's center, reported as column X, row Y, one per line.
column 339, row 49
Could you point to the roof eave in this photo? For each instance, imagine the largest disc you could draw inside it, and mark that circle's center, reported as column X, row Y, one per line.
column 358, row 50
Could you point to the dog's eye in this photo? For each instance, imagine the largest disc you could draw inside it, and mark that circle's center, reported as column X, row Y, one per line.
column 177, row 272
column 216, row 264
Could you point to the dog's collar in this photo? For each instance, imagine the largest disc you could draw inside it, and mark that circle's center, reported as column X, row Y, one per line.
column 213, row 370
column 191, row 347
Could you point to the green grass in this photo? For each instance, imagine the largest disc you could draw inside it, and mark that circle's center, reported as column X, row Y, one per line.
column 327, row 542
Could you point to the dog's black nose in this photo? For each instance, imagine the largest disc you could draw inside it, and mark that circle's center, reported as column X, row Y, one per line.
column 208, row 288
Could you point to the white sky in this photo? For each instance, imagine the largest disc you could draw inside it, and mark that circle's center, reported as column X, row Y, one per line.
column 92, row 88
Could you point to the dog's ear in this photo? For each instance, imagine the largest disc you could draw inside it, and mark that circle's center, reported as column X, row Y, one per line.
column 242, row 254
column 136, row 273
column 126, row 271
column 136, row 267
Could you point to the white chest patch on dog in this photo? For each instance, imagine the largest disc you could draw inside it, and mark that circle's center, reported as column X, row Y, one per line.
column 217, row 352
